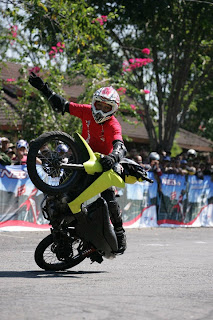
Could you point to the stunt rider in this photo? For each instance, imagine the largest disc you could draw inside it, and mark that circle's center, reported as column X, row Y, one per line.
column 102, row 132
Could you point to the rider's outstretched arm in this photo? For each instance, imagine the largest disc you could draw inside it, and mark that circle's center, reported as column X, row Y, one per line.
column 58, row 103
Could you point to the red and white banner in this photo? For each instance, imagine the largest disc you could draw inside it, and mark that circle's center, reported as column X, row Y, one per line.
column 184, row 201
column 19, row 201
column 179, row 201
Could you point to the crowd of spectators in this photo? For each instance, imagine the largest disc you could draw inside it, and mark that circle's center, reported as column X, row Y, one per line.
column 189, row 162
column 13, row 154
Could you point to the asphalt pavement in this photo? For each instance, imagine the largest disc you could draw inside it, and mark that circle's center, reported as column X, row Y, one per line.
column 164, row 274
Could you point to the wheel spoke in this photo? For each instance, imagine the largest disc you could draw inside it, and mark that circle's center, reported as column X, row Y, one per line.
column 52, row 154
column 46, row 156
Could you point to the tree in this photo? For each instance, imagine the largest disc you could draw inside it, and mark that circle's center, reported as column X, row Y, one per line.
column 200, row 118
column 55, row 38
column 179, row 36
column 159, row 85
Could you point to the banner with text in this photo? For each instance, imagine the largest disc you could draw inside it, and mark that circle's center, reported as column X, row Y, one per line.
column 185, row 200
column 138, row 203
column 20, row 200
column 177, row 201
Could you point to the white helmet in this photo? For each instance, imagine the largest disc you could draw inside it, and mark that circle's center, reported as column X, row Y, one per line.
column 154, row 156
column 109, row 96
column 191, row 153
column 22, row 143
column 62, row 148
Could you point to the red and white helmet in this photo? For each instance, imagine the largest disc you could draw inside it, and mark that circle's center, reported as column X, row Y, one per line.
column 109, row 96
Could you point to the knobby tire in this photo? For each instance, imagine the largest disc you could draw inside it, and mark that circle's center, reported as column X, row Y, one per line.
column 41, row 259
column 72, row 177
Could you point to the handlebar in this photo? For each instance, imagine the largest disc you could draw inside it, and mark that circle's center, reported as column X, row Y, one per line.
column 116, row 168
column 147, row 179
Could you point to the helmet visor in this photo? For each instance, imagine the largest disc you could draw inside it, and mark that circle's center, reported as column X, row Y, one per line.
column 102, row 106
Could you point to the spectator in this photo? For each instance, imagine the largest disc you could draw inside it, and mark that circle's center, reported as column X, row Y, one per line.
column 199, row 169
column 183, row 164
column 11, row 153
column 4, row 158
column 12, row 146
column 63, row 149
column 44, row 151
column 178, row 166
column 163, row 154
column 145, row 155
column 137, row 158
column 191, row 154
column 190, row 167
column 208, row 169
column 4, row 144
column 21, row 152
column 154, row 163
column 172, row 166
column 165, row 164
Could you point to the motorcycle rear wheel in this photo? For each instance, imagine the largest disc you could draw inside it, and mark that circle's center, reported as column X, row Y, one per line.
column 46, row 258
column 48, row 176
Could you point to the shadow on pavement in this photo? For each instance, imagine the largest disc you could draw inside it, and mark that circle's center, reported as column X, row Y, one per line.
column 45, row 274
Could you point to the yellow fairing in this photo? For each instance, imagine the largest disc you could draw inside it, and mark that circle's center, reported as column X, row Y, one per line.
column 105, row 181
column 92, row 165
column 132, row 180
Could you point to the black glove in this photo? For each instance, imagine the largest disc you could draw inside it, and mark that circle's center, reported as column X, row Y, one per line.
column 36, row 81
column 107, row 162
column 58, row 103
column 39, row 84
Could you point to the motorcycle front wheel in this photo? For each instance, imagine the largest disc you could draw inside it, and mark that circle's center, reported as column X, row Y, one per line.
column 45, row 156
column 48, row 255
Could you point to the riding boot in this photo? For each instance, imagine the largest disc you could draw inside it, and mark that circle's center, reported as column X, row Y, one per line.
column 116, row 219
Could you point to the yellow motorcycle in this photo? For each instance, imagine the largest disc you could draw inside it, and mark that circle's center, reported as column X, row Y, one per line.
column 70, row 174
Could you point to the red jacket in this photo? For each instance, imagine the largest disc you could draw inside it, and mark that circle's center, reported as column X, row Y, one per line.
column 98, row 136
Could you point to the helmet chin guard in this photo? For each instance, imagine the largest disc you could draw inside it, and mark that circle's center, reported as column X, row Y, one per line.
column 109, row 96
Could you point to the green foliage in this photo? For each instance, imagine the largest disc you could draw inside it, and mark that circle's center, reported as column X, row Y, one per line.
column 57, row 39
column 176, row 150
column 199, row 119
column 179, row 36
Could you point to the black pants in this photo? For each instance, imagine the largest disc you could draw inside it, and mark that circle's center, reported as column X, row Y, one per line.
column 114, row 208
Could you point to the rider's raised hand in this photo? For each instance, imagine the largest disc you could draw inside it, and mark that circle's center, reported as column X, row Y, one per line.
column 107, row 162
column 39, row 84
column 58, row 103
column 36, row 81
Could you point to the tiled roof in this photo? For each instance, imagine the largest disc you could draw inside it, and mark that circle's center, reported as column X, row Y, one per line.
column 137, row 132
column 11, row 70
column 185, row 139
column 8, row 115
column 189, row 140
column 73, row 91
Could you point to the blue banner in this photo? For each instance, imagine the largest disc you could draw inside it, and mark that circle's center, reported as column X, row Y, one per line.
column 184, row 200
column 138, row 203
column 20, row 200
column 175, row 201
